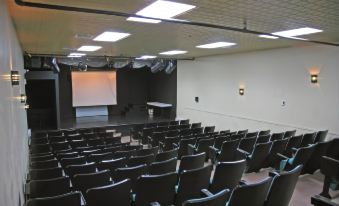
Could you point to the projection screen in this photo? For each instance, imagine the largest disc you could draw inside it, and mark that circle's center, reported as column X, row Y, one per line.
column 94, row 88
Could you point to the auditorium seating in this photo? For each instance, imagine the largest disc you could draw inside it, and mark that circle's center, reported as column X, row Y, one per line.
column 190, row 162
column 163, row 167
column 301, row 156
column 217, row 199
column 257, row 159
column 69, row 199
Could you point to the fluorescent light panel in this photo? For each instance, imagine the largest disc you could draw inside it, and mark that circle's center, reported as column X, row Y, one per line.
column 216, row 45
column 147, row 57
column 143, row 20
column 89, row 48
column 76, row 55
column 297, row 32
column 111, row 36
column 165, row 9
column 173, row 52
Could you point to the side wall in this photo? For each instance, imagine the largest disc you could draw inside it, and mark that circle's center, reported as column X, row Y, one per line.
column 269, row 77
column 13, row 121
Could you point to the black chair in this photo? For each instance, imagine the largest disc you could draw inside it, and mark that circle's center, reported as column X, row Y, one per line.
column 67, row 155
column 100, row 157
column 140, row 160
column 172, row 133
column 300, row 157
column 69, row 199
column 277, row 136
column 83, row 182
column 321, row 136
column 44, row 164
column 191, row 182
column 155, row 188
column 220, row 140
column 78, row 143
column 227, row 175
column 56, row 139
column 278, row 146
column 131, row 173
column 282, row 187
column 202, row 145
column 264, row 132
column 124, row 153
column 42, row 158
column 184, row 122
column 252, row 134
column 257, row 159
column 156, row 137
column 307, row 139
column 263, row 138
column 174, row 123
column 49, row 187
column 166, row 155
column 244, row 132
column 118, row 193
column 166, row 166
column 196, row 125
column 72, row 170
column 112, row 149
column 183, row 146
column 190, row 162
column 169, row 143
column 73, row 161
column 153, row 150
column 209, row 129
column 290, row 133
column 112, row 165
column 247, row 144
column 41, row 174
column 218, row 199
column 227, row 153
column 252, row 194
column 293, row 142
column 314, row 161
column 57, row 146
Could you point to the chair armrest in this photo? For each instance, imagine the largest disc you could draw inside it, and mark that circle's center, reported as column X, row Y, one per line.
column 244, row 152
column 154, row 204
column 281, row 156
column 294, row 149
column 175, row 145
column 273, row 173
column 206, row 193
column 318, row 200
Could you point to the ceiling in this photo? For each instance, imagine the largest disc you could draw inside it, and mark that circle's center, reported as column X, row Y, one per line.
column 44, row 31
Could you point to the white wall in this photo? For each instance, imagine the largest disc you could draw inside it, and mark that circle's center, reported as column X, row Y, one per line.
column 13, row 126
column 269, row 77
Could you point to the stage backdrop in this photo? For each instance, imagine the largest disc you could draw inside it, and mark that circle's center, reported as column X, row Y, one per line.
column 94, row 88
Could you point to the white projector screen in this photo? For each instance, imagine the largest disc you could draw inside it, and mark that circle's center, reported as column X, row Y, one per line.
column 94, row 88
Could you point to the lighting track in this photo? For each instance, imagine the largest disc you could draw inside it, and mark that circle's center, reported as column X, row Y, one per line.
column 173, row 21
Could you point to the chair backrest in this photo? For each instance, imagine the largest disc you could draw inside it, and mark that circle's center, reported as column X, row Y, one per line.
column 67, row 155
column 140, row 160
column 282, row 187
column 307, row 139
column 204, row 144
column 302, row 155
column 293, row 142
column 78, row 143
column 73, row 161
column 118, row 193
column 277, row 136
column 237, row 136
column 100, row 157
column 278, row 146
column 57, row 146
column 124, row 153
column 247, row 144
column 263, row 138
column 220, row 140
column 258, row 157
column 72, row 170
column 41, row 174
column 321, row 136
column 166, row 166
column 251, row 194
column 42, row 158
column 209, row 129
column 183, row 145
column 196, row 125
column 112, row 165
column 158, row 137
column 44, row 164
column 332, row 150
column 155, row 188
column 290, row 133
column 83, row 182
column 190, row 162
column 148, row 151
column 227, row 175
column 166, row 155
column 191, row 182
column 219, row 199
column 252, row 134
column 131, row 173
column 49, row 187
column 168, row 143
column 245, row 131
column 228, row 151
column 69, row 199
column 186, row 121
column 314, row 161
column 174, row 123
column 264, row 132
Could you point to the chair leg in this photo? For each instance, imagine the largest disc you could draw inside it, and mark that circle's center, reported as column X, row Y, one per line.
column 326, row 188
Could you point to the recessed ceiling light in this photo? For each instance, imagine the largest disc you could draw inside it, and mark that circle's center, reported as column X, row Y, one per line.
column 165, row 9
column 173, row 52
column 216, row 45
column 89, row 48
column 152, row 21
column 76, row 55
column 111, row 36
column 147, row 57
column 268, row 36
column 297, row 32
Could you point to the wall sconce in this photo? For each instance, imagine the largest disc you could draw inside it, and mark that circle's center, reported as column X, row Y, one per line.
column 15, row 78
column 241, row 91
column 23, row 98
column 26, row 106
column 314, row 78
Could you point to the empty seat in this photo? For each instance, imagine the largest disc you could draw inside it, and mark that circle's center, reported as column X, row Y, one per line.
column 67, row 155
column 252, row 194
column 166, row 166
column 44, row 164
column 307, row 139
column 57, row 146
column 78, row 143
column 290, row 133
column 196, row 125
column 49, row 187
column 73, row 161
column 174, row 122
column 220, row 140
column 202, row 145
column 257, row 159
column 69, row 199
column 263, row 138
column 227, row 175
column 191, row 182
column 244, row 132
column 95, row 142
column 42, row 158
column 112, row 165
column 300, row 157
column 112, row 149
column 41, row 174
column 209, row 129
column 156, row 137
column 71, row 170
column 282, row 187
column 131, row 173
column 293, row 142
column 186, row 121
column 247, row 144
column 100, row 157
column 218, row 199
column 264, row 132
column 278, row 146
column 169, row 143
column 252, row 134
column 183, row 145
column 190, row 162
column 140, row 160
column 153, row 150
column 321, row 136
column 166, row 155
column 56, row 139
column 118, row 193
column 277, row 136
column 124, row 153
column 155, row 188
column 314, row 161
column 227, row 153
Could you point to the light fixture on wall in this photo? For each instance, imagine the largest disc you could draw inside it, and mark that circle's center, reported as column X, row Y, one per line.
column 314, row 78
column 15, row 77
column 241, row 91
column 23, row 98
column 26, row 106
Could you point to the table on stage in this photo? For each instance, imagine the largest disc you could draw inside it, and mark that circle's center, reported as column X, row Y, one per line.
column 160, row 109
